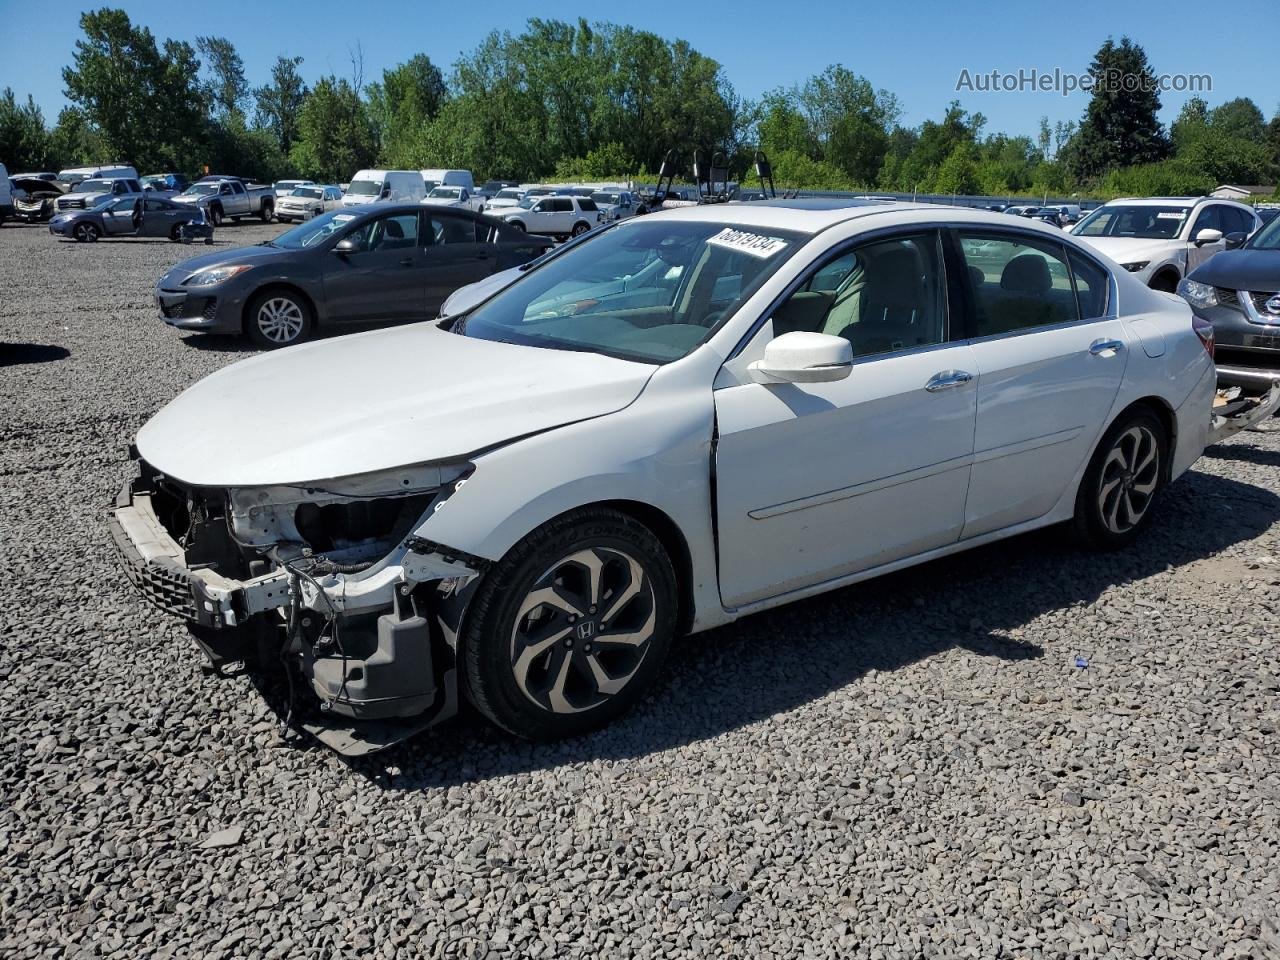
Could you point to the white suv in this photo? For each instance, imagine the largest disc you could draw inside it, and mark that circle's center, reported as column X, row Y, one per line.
column 556, row 216
column 1162, row 239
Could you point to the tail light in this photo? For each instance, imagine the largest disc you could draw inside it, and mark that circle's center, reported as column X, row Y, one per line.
column 1204, row 330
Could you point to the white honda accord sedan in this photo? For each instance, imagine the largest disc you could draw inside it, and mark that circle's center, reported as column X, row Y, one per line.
column 684, row 419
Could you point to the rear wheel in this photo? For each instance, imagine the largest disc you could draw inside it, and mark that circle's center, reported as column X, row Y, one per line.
column 278, row 318
column 569, row 629
column 176, row 233
column 580, row 228
column 85, row 233
column 519, row 226
column 1121, row 483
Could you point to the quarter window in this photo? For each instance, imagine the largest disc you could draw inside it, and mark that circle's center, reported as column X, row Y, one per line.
column 881, row 297
column 1017, row 284
column 1092, row 286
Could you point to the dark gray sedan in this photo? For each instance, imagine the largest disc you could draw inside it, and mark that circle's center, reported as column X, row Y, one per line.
column 381, row 262
column 133, row 215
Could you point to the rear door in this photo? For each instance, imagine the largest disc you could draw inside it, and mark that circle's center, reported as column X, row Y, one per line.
column 1050, row 357
column 382, row 278
column 456, row 251
column 158, row 218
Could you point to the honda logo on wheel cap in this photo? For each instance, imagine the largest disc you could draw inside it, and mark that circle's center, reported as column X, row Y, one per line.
column 586, row 629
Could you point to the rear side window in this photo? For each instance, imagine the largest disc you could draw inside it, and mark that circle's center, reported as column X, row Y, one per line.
column 1092, row 286
column 450, row 230
column 1018, row 283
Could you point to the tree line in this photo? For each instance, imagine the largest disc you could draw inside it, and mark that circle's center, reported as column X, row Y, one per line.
column 597, row 100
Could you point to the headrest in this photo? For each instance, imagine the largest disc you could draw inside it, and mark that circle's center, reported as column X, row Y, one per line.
column 1026, row 273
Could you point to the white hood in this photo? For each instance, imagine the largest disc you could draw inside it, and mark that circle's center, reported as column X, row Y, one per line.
column 376, row 401
column 464, row 298
column 1130, row 249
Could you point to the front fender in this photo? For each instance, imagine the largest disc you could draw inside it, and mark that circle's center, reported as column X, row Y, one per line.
column 656, row 452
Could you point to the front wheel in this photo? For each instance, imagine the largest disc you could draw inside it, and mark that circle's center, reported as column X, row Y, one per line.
column 266, row 212
column 85, row 233
column 278, row 318
column 519, row 226
column 215, row 216
column 1121, row 483
column 569, row 629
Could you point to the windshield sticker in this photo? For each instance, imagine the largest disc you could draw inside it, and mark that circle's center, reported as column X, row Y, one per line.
column 749, row 243
column 344, row 217
column 1166, row 215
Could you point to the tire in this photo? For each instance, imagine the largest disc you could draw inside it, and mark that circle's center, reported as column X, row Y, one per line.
column 518, row 225
column 278, row 318
column 1122, row 481
column 641, row 211
column 266, row 212
column 538, row 670
column 85, row 233
column 175, row 234
column 215, row 216
column 579, row 229
column 1166, row 282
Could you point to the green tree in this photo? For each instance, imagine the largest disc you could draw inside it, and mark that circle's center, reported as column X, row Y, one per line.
column 143, row 99
column 279, row 103
column 850, row 120
column 335, row 136
column 25, row 143
column 1120, row 126
column 224, row 83
column 402, row 105
column 1239, row 118
column 74, row 141
column 609, row 161
column 1191, row 124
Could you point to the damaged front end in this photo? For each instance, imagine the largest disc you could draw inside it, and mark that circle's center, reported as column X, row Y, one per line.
column 330, row 577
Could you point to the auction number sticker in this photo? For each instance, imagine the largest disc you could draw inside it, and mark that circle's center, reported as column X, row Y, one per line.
column 749, row 243
column 1170, row 215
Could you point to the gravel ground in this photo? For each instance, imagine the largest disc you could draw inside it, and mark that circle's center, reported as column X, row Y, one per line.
column 1023, row 752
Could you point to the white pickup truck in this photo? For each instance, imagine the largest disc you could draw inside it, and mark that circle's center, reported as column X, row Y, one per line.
column 221, row 198
column 448, row 196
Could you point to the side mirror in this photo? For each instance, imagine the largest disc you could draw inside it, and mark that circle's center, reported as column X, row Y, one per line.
column 1235, row 240
column 801, row 357
column 1207, row 235
column 345, row 246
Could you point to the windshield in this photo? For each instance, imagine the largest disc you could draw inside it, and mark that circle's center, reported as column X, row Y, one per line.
column 155, row 182
column 508, row 195
column 606, row 197
column 201, row 190
column 651, row 291
column 91, row 186
column 1268, row 238
column 1142, row 222
column 430, row 184
column 448, row 193
column 365, row 188
column 315, row 231
column 286, row 184
column 315, row 193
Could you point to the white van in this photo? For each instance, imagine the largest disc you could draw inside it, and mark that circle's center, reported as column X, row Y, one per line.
column 448, row 178
column 74, row 175
column 6, row 195
column 384, row 186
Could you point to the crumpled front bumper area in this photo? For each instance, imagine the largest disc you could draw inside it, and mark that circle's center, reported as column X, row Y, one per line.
column 375, row 649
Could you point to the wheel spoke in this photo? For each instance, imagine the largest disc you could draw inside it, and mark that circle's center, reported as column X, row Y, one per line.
column 556, row 695
column 626, row 594
column 604, row 683
column 629, row 638
column 551, row 596
column 594, row 564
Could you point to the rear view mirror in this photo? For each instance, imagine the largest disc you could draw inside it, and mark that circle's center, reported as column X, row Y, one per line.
column 345, row 246
column 1208, row 235
column 1235, row 240
column 803, row 357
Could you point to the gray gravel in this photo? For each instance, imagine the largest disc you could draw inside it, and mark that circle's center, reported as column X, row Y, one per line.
column 1022, row 752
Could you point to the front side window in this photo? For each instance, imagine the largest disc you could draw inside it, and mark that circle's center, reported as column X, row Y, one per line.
column 399, row 232
column 1207, row 219
column 882, row 297
column 650, row 291
column 1018, row 283
column 561, row 206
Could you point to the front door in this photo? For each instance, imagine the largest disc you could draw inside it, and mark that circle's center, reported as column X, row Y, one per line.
column 1209, row 218
column 1049, row 361
column 118, row 219
column 818, row 480
column 382, row 279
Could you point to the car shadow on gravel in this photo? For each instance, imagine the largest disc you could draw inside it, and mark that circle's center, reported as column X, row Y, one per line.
column 1244, row 453
column 13, row 354
column 785, row 659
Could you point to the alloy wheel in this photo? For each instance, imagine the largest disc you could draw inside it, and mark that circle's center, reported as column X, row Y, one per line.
column 583, row 630
column 1130, row 475
column 280, row 320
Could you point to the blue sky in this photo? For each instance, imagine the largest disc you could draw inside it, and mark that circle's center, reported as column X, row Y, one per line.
column 918, row 53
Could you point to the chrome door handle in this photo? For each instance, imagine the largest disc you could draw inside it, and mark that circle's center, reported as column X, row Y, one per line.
column 946, row 379
column 1106, row 348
